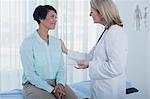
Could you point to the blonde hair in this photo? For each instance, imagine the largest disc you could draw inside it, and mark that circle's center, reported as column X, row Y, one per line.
column 108, row 10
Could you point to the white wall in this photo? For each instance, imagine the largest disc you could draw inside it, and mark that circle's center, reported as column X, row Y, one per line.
column 149, row 51
column 138, row 69
column 149, row 64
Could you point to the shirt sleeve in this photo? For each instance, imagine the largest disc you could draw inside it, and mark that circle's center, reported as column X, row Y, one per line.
column 116, row 49
column 27, row 58
column 60, row 73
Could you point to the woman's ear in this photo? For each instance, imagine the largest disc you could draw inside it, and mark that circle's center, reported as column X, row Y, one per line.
column 41, row 20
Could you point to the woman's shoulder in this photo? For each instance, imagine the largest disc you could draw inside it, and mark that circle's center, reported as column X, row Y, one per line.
column 55, row 43
column 116, row 28
column 116, row 31
column 28, row 40
column 54, row 39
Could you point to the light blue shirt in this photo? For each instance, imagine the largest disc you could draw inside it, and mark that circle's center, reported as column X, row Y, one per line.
column 42, row 62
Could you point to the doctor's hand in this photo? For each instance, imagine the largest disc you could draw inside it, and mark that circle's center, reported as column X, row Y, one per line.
column 63, row 47
column 82, row 64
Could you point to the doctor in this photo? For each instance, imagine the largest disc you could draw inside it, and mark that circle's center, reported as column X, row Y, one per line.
column 107, row 59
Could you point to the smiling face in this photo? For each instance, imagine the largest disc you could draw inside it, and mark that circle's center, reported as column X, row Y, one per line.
column 97, row 17
column 50, row 20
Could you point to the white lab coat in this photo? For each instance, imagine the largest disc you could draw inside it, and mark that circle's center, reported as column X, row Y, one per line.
column 107, row 62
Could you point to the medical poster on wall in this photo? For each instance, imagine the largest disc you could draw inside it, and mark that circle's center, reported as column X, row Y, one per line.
column 135, row 14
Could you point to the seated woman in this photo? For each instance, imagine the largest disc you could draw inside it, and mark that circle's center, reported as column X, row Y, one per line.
column 42, row 60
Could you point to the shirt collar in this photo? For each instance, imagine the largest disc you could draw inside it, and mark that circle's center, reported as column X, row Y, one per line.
column 39, row 38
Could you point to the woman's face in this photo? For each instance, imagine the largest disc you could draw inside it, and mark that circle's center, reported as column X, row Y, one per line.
column 97, row 17
column 50, row 21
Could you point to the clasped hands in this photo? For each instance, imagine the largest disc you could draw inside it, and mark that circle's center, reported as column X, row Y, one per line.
column 59, row 91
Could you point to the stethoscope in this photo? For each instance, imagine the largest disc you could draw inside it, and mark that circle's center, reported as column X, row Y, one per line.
column 101, row 36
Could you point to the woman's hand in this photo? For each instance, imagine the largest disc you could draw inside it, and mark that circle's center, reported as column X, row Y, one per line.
column 63, row 47
column 59, row 91
column 83, row 64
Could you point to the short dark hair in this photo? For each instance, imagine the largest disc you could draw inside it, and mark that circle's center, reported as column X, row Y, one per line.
column 41, row 11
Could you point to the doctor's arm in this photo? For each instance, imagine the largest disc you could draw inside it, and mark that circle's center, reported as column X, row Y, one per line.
column 77, row 56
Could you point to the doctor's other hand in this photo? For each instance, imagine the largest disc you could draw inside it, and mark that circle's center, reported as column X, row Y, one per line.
column 82, row 64
column 63, row 47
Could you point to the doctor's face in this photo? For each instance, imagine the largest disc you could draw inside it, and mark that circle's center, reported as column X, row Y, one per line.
column 97, row 17
column 50, row 21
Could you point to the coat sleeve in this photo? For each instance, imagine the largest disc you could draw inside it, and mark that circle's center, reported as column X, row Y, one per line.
column 116, row 49
column 74, row 55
